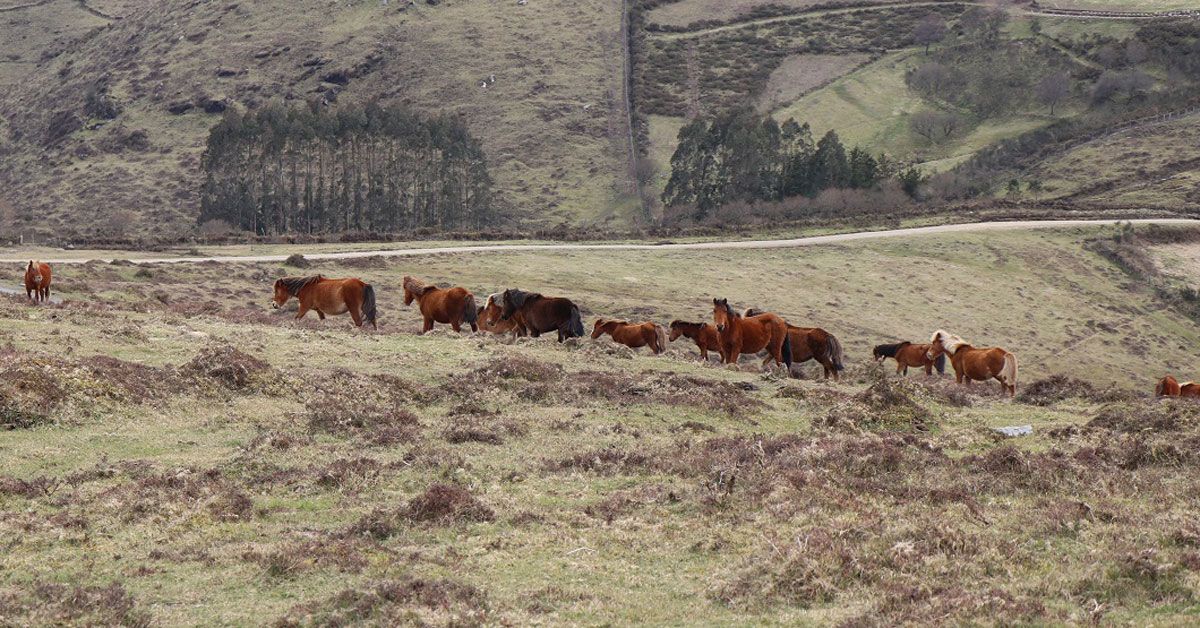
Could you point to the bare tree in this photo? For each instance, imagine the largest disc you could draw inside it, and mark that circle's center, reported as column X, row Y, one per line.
column 935, row 126
column 983, row 24
column 930, row 30
column 932, row 78
column 1052, row 89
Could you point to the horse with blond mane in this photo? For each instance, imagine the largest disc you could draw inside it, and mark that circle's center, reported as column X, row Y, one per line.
column 740, row 334
column 37, row 281
column 448, row 306
column 632, row 335
column 329, row 296
column 490, row 321
column 1170, row 387
column 975, row 364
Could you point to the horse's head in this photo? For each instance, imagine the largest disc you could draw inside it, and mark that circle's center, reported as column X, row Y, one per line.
column 282, row 294
column 723, row 315
column 1167, row 387
column 878, row 352
column 676, row 330
column 599, row 328
column 34, row 273
column 943, row 342
column 513, row 300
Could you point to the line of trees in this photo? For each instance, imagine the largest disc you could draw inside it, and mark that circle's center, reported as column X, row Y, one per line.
column 742, row 156
column 366, row 167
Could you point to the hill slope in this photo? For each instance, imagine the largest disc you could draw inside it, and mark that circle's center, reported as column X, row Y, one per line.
column 551, row 116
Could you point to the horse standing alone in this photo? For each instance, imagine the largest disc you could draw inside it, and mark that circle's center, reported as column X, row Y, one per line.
column 541, row 314
column 633, row 335
column 1170, row 387
column 975, row 364
column 449, row 306
column 37, row 281
column 329, row 296
column 752, row 334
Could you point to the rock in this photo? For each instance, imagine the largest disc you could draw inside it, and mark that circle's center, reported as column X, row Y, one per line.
column 213, row 105
column 1014, row 430
column 226, row 72
column 180, row 107
column 337, row 77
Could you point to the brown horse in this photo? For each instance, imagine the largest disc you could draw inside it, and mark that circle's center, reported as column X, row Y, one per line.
column 542, row 314
column 1170, row 387
column 813, row 343
column 908, row 354
column 633, row 335
column 329, row 296
column 704, row 335
column 975, row 364
column 489, row 318
column 444, row 305
column 739, row 334
column 37, row 281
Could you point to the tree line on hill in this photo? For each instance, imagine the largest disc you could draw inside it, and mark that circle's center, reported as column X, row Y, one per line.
column 741, row 156
column 279, row 170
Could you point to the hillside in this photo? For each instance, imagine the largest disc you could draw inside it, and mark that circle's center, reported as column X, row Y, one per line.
column 551, row 117
column 175, row 450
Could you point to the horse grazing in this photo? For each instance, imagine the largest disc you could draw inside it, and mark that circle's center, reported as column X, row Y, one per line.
column 975, row 364
column 489, row 318
column 739, row 334
column 329, row 296
column 907, row 354
column 540, row 314
column 809, row 343
column 37, row 281
column 633, row 335
column 444, row 305
column 704, row 335
column 1170, row 387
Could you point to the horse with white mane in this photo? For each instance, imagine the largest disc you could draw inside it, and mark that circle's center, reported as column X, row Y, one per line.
column 971, row 363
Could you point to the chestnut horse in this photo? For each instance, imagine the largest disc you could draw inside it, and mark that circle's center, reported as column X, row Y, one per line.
column 633, row 335
column 540, row 314
column 489, row 318
column 1170, row 387
column 444, row 305
column 739, row 334
column 975, row 364
column 704, row 335
column 329, row 296
column 813, row 343
column 37, row 281
column 907, row 354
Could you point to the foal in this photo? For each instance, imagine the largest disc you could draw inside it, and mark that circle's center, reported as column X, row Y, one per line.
column 703, row 334
column 633, row 335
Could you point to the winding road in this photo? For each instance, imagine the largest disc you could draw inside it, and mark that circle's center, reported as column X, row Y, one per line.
column 837, row 238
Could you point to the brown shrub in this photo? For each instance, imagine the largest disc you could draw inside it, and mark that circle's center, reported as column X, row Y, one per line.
column 348, row 473
column 1056, row 388
column 1159, row 415
column 443, row 504
column 607, row 460
column 59, row 604
column 377, row 423
column 231, row 505
column 227, row 366
column 391, row 603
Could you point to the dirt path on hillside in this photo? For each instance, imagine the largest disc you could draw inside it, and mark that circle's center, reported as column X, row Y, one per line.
column 688, row 246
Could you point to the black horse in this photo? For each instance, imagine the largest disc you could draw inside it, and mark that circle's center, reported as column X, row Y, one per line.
column 543, row 314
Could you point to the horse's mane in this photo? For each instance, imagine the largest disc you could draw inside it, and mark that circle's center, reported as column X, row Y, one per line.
column 685, row 324
column 519, row 297
column 950, row 342
column 416, row 286
column 889, row 351
column 605, row 322
column 295, row 284
column 494, row 298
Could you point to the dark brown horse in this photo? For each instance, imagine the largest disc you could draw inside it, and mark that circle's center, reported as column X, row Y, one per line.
column 704, row 335
column 449, row 306
column 489, row 318
column 975, row 364
column 37, row 281
column 542, row 314
column 752, row 334
column 632, row 335
column 813, row 343
column 908, row 354
column 329, row 296
column 1170, row 387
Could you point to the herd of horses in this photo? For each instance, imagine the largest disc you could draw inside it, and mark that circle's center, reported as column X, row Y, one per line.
column 730, row 334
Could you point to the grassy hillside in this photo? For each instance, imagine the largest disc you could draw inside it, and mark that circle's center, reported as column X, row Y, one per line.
column 154, row 474
column 551, row 117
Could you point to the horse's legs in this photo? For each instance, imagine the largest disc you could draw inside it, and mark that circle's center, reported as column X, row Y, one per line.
column 302, row 310
column 428, row 324
column 320, row 314
column 474, row 327
column 356, row 316
column 456, row 325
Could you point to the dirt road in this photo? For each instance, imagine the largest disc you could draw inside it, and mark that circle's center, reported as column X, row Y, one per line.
column 688, row 246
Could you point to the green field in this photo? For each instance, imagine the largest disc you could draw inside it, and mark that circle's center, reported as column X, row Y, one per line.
column 317, row 474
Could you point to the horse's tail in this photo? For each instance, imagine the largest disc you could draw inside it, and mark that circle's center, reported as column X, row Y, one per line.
column 940, row 364
column 470, row 311
column 661, row 335
column 370, row 313
column 576, row 322
column 835, row 352
column 786, row 349
column 1008, row 372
